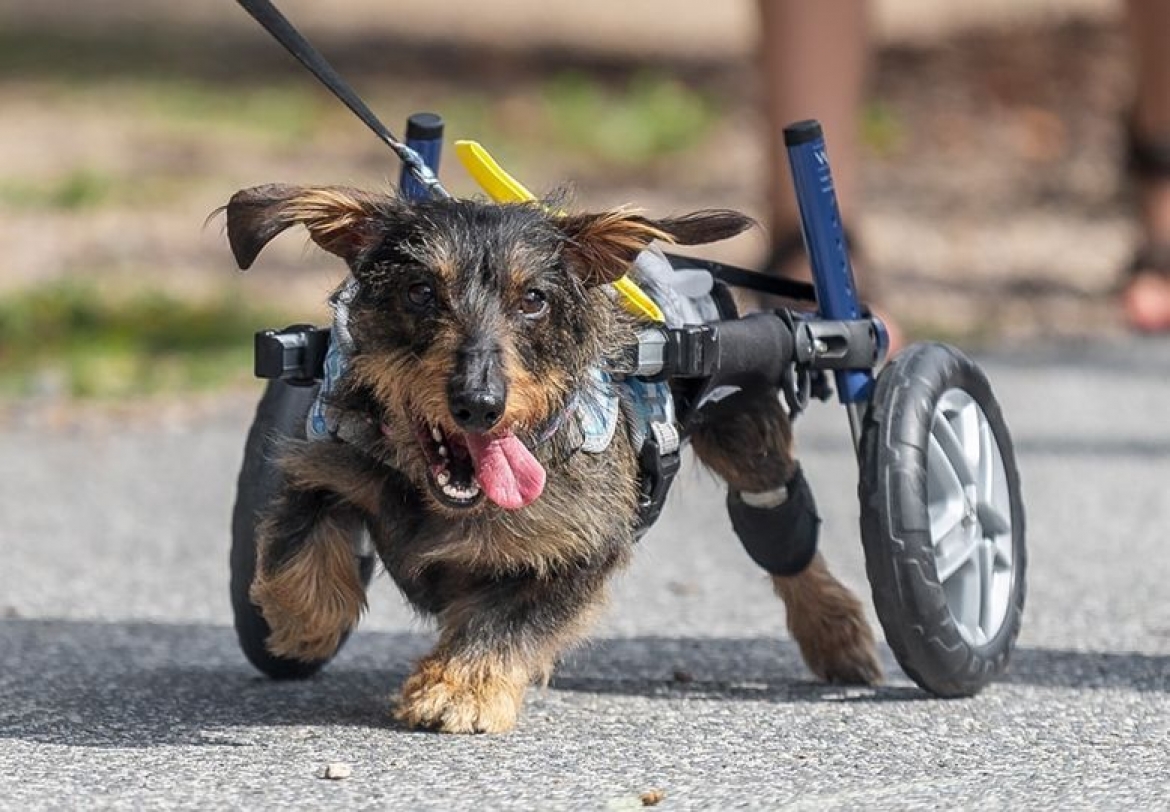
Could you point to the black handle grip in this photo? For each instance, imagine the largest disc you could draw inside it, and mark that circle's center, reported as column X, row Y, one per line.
column 756, row 349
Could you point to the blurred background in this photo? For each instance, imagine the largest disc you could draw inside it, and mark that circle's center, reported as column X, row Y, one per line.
column 993, row 205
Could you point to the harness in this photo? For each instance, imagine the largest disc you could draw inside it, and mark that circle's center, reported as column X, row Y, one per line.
column 684, row 296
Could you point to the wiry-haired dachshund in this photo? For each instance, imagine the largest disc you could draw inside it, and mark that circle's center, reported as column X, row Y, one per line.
column 474, row 326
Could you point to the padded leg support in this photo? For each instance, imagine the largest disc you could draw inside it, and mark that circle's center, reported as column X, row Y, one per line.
column 779, row 529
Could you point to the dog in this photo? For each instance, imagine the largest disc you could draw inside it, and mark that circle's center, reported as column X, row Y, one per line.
column 475, row 327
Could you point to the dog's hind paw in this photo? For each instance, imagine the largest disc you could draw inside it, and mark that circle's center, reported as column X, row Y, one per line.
column 828, row 623
column 845, row 656
column 458, row 697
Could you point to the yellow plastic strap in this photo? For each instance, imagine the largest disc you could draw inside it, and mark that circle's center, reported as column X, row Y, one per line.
column 503, row 188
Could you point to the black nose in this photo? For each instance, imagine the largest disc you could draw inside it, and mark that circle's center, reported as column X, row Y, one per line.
column 477, row 410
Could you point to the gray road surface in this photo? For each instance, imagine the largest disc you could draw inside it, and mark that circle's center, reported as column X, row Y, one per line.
column 121, row 685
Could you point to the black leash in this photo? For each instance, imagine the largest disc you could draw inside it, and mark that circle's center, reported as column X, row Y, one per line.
column 276, row 24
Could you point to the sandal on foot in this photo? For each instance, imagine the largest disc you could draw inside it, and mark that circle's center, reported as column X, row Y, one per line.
column 1145, row 280
column 1146, row 289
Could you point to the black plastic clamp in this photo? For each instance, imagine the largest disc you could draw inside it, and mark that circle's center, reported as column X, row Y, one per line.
column 658, row 466
column 295, row 354
column 827, row 344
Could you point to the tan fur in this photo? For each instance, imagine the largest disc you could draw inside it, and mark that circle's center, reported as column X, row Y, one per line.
column 531, row 402
column 538, row 659
column 462, row 695
column 334, row 215
column 501, row 550
column 438, row 255
column 828, row 624
column 606, row 244
column 314, row 598
column 416, row 386
column 548, row 537
column 482, row 693
column 312, row 467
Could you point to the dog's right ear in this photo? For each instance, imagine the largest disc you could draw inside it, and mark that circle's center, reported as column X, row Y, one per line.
column 603, row 246
column 339, row 219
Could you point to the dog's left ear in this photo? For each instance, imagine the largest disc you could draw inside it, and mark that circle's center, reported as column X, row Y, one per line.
column 602, row 247
column 339, row 219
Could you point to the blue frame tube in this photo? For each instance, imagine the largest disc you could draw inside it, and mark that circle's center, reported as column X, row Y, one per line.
column 424, row 134
column 824, row 239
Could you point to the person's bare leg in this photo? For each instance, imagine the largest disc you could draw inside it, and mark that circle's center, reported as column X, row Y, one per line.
column 1146, row 298
column 815, row 57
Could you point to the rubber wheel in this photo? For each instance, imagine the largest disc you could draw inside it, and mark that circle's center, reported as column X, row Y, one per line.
column 280, row 413
column 942, row 520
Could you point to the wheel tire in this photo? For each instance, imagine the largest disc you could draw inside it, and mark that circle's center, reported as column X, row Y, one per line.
column 280, row 414
column 947, row 656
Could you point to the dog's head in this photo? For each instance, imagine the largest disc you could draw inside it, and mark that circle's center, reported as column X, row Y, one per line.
column 473, row 323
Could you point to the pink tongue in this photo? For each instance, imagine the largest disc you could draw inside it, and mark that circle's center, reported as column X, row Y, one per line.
column 508, row 473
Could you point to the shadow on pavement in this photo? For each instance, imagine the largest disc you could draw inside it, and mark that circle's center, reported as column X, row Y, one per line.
column 137, row 684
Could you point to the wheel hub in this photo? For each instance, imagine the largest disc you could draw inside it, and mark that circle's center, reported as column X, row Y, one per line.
column 970, row 516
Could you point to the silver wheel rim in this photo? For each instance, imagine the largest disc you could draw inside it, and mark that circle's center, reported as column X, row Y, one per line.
column 970, row 516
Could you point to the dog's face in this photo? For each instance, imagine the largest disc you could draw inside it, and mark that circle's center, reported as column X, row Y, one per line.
column 473, row 323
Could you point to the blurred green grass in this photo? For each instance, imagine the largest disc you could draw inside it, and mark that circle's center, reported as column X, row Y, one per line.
column 285, row 112
column 650, row 117
column 85, row 188
column 883, row 133
column 70, row 338
column 642, row 119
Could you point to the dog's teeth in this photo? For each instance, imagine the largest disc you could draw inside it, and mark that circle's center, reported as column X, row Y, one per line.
column 443, row 450
column 459, row 494
column 438, row 435
column 443, row 478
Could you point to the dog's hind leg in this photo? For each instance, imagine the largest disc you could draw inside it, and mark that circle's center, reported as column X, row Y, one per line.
column 307, row 582
column 747, row 440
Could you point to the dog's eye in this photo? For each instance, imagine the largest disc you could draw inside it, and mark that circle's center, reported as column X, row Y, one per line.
column 420, row 294
column 534, row 304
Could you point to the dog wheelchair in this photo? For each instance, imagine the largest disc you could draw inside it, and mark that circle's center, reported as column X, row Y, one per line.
column 942, row 521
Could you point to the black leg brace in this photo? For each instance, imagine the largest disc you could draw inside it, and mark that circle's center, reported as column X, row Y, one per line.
column 781, row 539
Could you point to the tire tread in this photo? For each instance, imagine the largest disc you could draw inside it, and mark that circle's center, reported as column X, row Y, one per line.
column 909, row 600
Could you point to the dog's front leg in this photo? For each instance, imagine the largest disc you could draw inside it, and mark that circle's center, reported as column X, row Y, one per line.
column 307, row 584
column 495, row 641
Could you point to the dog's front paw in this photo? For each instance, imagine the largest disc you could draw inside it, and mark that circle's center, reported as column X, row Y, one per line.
column 306, row 630
column 297, row 636
column 460, row 697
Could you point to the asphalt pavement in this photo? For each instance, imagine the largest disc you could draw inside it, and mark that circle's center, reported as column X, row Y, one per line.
column 122, row 687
